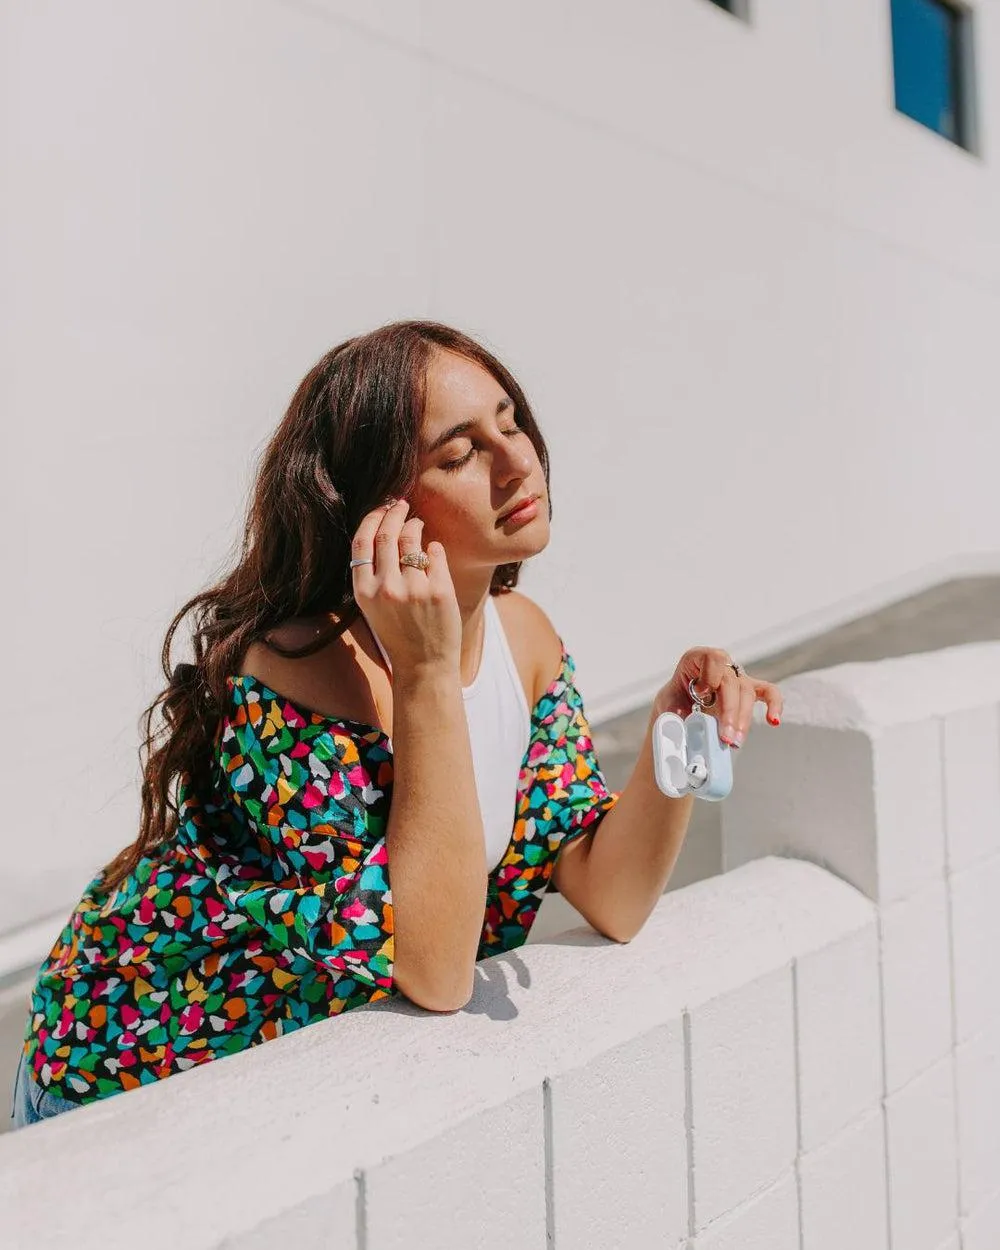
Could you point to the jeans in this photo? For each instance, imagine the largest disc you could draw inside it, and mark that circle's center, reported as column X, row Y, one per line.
column 33, row 1103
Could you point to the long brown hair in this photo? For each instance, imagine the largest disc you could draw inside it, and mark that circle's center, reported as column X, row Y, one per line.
column 349, row 439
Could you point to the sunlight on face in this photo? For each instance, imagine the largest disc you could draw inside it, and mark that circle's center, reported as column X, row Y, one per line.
column 470, row 475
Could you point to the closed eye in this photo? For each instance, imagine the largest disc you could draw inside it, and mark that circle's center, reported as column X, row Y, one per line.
column 451, row 465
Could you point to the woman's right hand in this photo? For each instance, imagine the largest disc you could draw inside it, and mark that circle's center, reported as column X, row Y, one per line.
column 414, row 611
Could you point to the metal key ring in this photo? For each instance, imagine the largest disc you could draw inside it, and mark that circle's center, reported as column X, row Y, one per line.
column 707, row 701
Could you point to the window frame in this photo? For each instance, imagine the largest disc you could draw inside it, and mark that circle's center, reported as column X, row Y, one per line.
column 740, row 9
column 963, row 71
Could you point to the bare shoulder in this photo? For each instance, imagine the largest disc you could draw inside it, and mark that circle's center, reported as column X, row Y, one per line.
column 340, row 680
column 529, row 629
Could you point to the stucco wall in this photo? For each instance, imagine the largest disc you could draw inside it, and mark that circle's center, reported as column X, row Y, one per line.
column 787, row 1057
column 737, row 286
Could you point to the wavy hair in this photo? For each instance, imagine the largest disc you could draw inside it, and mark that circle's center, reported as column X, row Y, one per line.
column 349, row 439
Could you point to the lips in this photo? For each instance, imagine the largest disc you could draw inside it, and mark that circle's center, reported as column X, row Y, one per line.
column 523, row 503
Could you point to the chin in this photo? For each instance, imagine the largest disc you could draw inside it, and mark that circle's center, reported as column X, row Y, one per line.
column 523, row 547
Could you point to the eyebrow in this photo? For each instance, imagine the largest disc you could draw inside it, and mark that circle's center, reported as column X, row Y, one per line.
column 464, row 426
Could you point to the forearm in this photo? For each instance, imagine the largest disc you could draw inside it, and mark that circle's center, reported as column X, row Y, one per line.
column 635, row 848
column 435, row 842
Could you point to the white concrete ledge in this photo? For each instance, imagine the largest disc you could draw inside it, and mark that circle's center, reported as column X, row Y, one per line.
column 329, row 1115
column 785, row 1056
column 874, row 696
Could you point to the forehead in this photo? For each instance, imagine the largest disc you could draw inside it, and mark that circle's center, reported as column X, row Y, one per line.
column 457, row 389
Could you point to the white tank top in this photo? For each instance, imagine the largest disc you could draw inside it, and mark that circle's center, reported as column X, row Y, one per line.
column 499, row 728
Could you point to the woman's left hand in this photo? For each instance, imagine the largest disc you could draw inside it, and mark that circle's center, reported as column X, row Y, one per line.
column 710, row 670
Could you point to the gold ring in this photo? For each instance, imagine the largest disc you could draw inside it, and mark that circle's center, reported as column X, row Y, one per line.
column 415, row 559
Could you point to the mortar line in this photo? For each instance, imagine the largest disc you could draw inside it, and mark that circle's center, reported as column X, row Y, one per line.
column 952, row 997
column 796, row 1040
column 689, row 1119
column 548, row 1145
column 360, row 1208
column 884, row 1099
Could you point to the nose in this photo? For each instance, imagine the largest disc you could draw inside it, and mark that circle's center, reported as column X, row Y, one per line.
column 516, row 463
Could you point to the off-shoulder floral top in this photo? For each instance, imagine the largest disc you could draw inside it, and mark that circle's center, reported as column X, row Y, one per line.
column 271, row 907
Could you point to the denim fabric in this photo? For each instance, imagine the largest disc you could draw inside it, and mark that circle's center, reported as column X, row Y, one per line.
column 31, row 1102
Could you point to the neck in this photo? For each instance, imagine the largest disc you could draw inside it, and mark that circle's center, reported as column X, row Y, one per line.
column 472, row 594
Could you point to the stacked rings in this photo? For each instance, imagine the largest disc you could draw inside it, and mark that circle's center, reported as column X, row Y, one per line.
column 413, row 559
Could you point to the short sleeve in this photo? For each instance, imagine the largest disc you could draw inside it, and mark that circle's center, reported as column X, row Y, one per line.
column 577, row 793
column 312, row 871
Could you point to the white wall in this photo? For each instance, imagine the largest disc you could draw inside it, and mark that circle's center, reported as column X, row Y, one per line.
column 776, row 1061
column 741, row 291
column 607, row 1095
column 889, row 776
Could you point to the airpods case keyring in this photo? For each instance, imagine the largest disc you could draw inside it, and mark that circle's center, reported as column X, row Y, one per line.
column 688, row 757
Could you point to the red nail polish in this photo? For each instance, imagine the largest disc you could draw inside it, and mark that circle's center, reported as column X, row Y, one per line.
column 773, row 720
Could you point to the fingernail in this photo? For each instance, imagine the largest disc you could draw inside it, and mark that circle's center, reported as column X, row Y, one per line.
column 773, row 720
column 737, row 740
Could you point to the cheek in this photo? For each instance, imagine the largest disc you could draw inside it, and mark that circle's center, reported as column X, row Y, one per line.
column 446, row 514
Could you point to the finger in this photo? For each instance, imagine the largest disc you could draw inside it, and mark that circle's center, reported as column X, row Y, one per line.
column 717, row 675
column 696, row 661
column 410, row 542
column 411, row 534
column 770, row 694
column 728, row 713
column 712, row 673
column 748, row 697
column 363, row 548
column 438, row 573
column 387, row 569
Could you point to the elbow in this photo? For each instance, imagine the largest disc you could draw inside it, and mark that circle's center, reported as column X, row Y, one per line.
column 441, row 1003
column 616, row 932
column 436, row 997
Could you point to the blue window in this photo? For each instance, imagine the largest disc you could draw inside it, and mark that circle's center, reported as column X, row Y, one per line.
column 932, row 66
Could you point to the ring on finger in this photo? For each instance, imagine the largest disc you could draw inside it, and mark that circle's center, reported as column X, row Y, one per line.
column 415, row 559
column 703, row 701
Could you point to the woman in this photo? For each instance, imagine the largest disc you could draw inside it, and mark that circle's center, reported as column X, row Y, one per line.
column 370, row 704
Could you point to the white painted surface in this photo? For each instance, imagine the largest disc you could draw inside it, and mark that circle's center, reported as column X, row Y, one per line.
column 428, row 1108
column 972, row 785
column 865, row 746
column 843, row 1184
column 480, row 1175
column 982, row 1230
column 976, row 938
column 775, row 1060
column 922, row 1155
column 627, row 1104
column 684, row 233
column 742, row 1093
column 977, row 1087
column 839, row 1035
column 308, row 1226
column 767, row 1221
column 916, row 984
